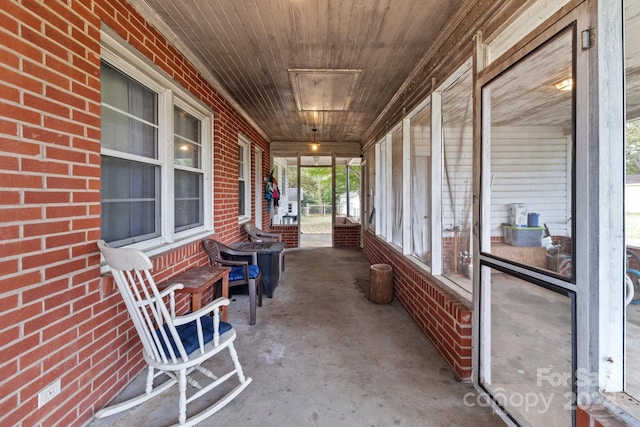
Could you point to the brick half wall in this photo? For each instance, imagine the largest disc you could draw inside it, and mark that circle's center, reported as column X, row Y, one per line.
column 346, row 233
column 289, row 234
column 442, row 317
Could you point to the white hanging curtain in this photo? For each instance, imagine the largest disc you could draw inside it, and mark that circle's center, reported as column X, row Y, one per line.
column 457, row 178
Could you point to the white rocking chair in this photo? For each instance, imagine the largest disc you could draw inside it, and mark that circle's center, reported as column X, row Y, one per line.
column 172, row 345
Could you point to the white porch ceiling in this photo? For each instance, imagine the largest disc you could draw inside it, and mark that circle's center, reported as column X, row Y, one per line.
column 323, row 90
column 292, row 65
column 334, row 65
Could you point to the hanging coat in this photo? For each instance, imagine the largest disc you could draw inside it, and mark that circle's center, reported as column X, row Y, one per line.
column 268, row 191
column 276, row 192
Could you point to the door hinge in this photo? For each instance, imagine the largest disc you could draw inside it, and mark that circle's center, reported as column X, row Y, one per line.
column 588, row 38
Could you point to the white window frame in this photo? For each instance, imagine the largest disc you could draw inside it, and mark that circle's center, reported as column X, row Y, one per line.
column 119, row 54
column 390, row 190
column 408, row 196
column 245, row 163
column 381, row 186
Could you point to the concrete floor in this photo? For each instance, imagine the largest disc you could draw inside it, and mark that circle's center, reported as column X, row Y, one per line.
column 321, row 354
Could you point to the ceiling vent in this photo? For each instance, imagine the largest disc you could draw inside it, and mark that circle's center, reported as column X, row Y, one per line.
column 323, row 90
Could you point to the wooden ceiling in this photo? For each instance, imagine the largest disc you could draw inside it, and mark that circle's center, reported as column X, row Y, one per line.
column 252, row 48
column 334, row 65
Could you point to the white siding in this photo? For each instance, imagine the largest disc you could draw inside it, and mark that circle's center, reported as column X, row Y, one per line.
column 632, row 198
column 531, row 165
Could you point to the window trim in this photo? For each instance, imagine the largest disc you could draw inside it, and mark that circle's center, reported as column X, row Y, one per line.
column 122, row 56
column 244, row 142
column 408, row 192
column 399, row 127
column 206, row 166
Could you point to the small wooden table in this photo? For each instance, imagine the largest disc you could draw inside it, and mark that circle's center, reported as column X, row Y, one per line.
column 197, row 280
column 534, row 256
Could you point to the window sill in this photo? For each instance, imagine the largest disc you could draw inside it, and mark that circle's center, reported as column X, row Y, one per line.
column 462, row 294
column 159, row 248
column 623, row 406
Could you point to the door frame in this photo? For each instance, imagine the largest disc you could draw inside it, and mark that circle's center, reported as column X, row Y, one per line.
column 582, row 186
column 258, row 186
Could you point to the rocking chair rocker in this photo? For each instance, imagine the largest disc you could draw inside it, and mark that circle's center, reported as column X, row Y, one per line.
column 175, row 346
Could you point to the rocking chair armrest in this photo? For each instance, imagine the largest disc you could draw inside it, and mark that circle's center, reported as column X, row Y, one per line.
column 171, row 289
column 209, row 308
column 212, row 307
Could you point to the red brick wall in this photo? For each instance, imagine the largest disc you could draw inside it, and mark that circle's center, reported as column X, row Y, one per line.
column 289, row 234
column 444, row 319
column 596, row 416
column 346, row 233
column 58, row 317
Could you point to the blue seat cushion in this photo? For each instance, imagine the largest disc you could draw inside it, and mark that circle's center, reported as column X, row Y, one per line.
column 237, row 273
column 189, row 334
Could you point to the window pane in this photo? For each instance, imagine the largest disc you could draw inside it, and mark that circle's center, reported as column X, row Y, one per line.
column 457, row 181
column 395, row 198
column 240, row 162
column 130, row 202
column 185, row 125
column 531, row 350
column 243, row 174
column 188, row 200
column 382, row 187
column 421, row 185
column 371, row 191
column 347, row 189
column 289, row 196
column 186, row 144
column 128, row 115
column 241, row 196
column 530, row 140
column 354, row 173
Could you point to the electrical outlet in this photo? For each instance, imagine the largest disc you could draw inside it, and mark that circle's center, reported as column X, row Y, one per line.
column 49, row 392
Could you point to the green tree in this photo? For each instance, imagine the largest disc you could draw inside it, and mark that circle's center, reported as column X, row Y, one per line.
column 316, row 185
column 341, row 179
column 632, row 148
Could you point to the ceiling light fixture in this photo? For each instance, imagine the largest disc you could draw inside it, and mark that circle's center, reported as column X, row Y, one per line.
column 314, row 145
column 565, row 85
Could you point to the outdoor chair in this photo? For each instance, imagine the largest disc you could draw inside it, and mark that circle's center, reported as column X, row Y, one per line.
column 244, row 270
column 257, row 235
column 172, row 345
